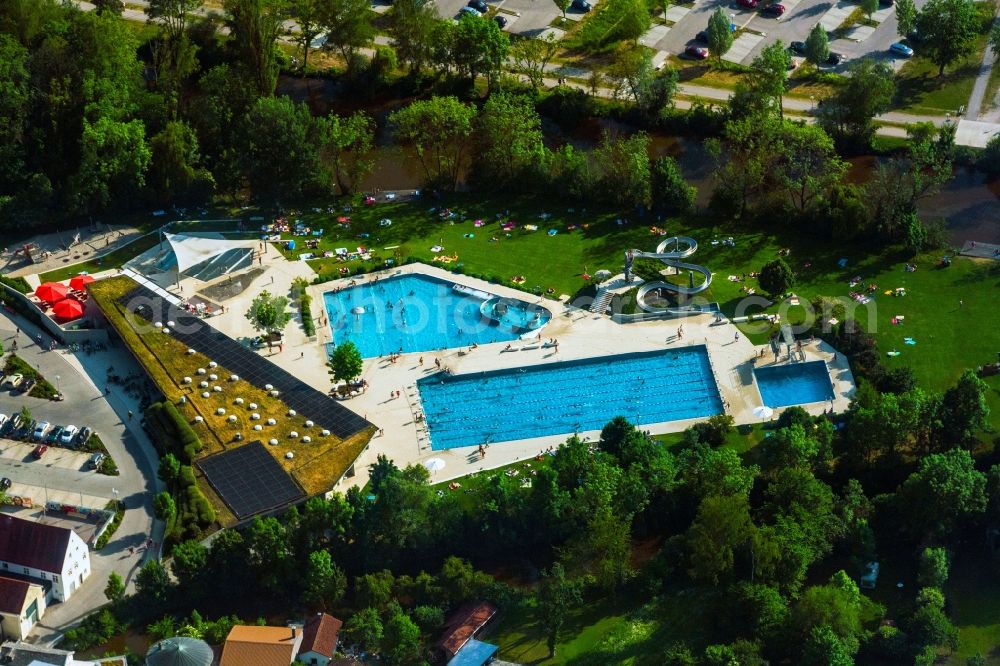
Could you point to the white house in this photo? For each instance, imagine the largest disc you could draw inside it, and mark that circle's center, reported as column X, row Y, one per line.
column 22, row 604
column 44, row 552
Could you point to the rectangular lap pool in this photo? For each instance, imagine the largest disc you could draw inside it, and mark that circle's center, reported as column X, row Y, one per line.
column 794, row 384
column 567, row 397
column 418, row 313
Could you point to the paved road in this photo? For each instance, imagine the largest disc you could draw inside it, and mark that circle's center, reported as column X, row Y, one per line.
column 85, row 404
column 975, row 106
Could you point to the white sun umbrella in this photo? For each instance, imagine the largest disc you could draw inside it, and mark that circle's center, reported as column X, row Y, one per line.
column 603, row 273
column 434, row 464
column 763, row 412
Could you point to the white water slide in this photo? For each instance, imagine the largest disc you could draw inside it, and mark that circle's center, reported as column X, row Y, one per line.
column 683, row 247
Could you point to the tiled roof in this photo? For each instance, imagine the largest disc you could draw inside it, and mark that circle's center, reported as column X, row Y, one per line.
column 320, row 634
column 463, row 625
column 258, row 646
column 12, row 595
column 34, row 545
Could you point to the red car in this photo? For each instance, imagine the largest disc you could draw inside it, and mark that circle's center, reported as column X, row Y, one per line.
column 40, row 451
column 698, row 52
column 773, row 9
column 749, row 4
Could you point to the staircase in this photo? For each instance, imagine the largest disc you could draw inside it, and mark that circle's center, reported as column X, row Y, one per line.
column 602, row 301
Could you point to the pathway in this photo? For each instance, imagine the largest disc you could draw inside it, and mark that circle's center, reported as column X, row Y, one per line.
column 973, row 110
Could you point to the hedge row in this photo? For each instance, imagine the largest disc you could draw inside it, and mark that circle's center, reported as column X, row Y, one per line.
column 194, row 512
column 305, row 311
column 171, row 433
column 18, row 283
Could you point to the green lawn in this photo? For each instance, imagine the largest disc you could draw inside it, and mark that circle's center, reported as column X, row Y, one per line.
column 973, row 592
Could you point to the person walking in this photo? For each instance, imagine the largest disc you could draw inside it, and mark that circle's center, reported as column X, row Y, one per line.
column 130, row 415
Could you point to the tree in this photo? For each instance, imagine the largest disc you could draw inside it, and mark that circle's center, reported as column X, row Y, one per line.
column 401, row 640
column 964, row 409
column 906, row 17
column 720, row 33
column 439, row 129
column 776, row 277
column 869, row 7
column 188, row 562
column 281, row 150
column 623, row 165
column 114, row 591
column 945, row 489
column 809, row 164
column 268, row 313
column 324, row 581
column 349, row 27
column 174, row 57
column 152, row 584
column 113, row 163
column 633, row 74
column 175, row 174
column 563, row 5
column 364, row 627
column 848, row 114
column 345, row 146
column 817, row 45
column 308, row 15
column 255, row 26
column 374, row 590
column 480, row 47
column 531, row 55
column 933, row 569
column 671, row 192
column 556, row 597
column 412, row 24
column 164, row 507
column 169, row 469
column 721, row 528
column 824, row 648
column 762, row 89
column 510, row 141
column 345, row 362
column 14, row 110
column 929, row 626
column 947, row 29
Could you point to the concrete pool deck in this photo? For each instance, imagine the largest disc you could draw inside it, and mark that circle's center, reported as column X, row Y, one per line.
column 580, row 334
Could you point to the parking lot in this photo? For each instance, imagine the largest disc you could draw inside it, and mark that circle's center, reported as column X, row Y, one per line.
column 794, row 25
column 524, row 17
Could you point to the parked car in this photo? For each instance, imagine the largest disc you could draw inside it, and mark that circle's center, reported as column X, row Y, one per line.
column 3, row 421
column 85, row 433
column 54, row 434
column 701, row 37
column 27, row 384
column 501, row 21
column 470, row 10
column 697, row 52
column 799, row 48
column 478, row 5
column 901, row 49
column 747, row 4
column 68, row 434
column 40, row 451
column 95, row 460
column 835, row 59
column 40, row 429
column 581, row 5
column 5, row 483
column 12, row 381
column 774, row 9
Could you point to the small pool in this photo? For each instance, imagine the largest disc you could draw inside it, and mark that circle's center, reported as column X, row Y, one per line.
column 794, row 384
column 418, row 313
column 567, row 397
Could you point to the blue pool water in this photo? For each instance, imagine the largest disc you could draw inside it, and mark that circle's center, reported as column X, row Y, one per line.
column 794, row 384
column 557, row 398
column 417, row 313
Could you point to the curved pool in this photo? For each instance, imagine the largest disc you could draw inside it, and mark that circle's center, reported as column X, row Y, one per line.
column 419, row 313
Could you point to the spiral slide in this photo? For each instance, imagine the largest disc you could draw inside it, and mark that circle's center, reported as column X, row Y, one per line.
column 683, row 247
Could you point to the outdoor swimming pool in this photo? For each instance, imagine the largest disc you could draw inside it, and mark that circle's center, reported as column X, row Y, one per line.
column 794, row 384
column 417, row 313
column 572, row 396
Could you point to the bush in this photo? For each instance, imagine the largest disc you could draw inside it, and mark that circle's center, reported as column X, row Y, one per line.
column 113, row 527
column 16, row 283
column 95, row 629
column 776, row 277
column 171, row 433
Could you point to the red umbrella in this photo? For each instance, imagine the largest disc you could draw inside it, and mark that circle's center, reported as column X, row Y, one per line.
column 68, row 308
column 52, row 292
column 80, row 281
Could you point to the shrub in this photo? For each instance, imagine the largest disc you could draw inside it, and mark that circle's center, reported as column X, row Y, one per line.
column 776, row 277
column 16, row 283
column 171, row 433
column 113, row 527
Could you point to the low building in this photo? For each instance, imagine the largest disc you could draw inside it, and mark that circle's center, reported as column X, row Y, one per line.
column 460, row 632
column 44, row 552
column 180, row 651
column 22, row 604
column 23, row 654
column 261, row 646
column 319, row 639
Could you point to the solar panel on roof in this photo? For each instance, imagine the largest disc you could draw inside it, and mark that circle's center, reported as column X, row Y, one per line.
column 197, row 334
column 249, row 480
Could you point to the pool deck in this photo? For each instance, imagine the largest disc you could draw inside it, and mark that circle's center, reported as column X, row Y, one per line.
column 580, row 334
